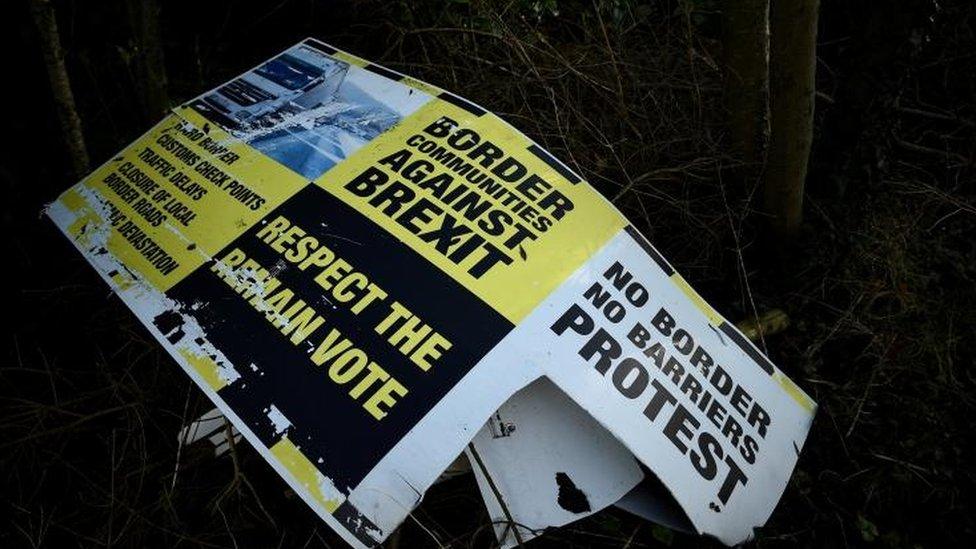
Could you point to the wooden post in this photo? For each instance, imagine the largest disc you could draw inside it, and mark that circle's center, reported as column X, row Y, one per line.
column 64, row 101
column 745, row 47
column 150, row 68
column 792, row 66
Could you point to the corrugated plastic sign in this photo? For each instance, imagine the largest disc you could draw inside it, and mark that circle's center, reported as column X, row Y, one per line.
column 360, row 269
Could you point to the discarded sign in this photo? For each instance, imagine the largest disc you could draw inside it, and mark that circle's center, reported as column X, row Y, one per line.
column 360, row 269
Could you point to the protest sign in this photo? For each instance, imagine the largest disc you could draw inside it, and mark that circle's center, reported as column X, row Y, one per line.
column 360, row 269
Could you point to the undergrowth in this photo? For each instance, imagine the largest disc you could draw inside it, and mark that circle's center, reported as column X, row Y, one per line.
column 879, row 287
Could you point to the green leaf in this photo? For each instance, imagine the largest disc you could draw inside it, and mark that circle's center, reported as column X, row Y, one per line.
column 869, row 532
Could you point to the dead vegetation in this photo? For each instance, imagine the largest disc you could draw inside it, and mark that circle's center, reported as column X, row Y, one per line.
column 880, row 288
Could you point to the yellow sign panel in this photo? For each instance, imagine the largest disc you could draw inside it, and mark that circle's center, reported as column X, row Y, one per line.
column 471, row 196
column 176, row 196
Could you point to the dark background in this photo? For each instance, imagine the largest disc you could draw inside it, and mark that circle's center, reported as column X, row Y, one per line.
column 879, row 286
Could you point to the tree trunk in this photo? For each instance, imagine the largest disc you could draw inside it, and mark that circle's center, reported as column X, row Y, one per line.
column 150, row 67
column 746, row 51
column 792, row 67
column 64, row 101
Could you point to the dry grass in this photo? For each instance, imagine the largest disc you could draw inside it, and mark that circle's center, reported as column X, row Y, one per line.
column 880, row 288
